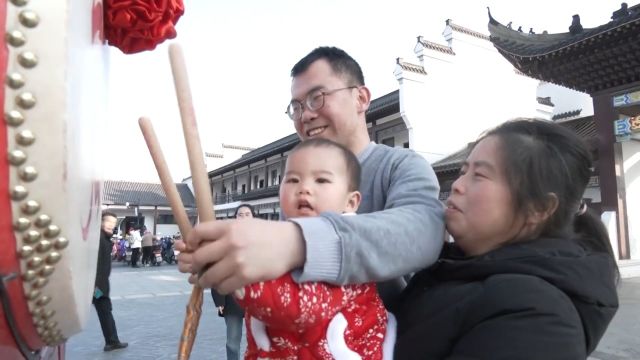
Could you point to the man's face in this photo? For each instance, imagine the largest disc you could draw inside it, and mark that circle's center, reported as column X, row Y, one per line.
column 337, row 119
column 108, row 223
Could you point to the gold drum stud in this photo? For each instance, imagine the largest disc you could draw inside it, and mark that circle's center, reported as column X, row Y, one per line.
column 30, row 207
column 43, row 220
column 46, row 271
column 60, row 243
column 40, row 323
column 39, row 283
column 17, row 157
column 28, row 276
column 44, row 246
column 26, row 251
column 19, row 2
column 27, row 59
column 29, row 18
column 19, row 193
column 53, row 258
column 50, row 325
column 25, row 138
column 40, row 330
column 14, row 118
column 37, row 312
column 35, row 262
column 15, row 80
column 42, row 301
column 22, row 224
column 16, row 38
column 31, row 236
column 52, row 231
column 48, row 314
column 26, row 100
column 28, row 173
column 33, row 294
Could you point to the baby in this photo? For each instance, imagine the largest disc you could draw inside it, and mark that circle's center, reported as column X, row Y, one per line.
column 287, row 320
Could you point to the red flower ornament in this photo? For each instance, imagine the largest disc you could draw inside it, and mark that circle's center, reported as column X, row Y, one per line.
column 138, row 25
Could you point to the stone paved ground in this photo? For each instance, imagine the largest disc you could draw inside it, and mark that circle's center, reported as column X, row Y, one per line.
column 149, row 306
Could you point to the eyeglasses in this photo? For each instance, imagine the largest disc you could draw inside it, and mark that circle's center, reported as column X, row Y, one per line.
column 314, row 101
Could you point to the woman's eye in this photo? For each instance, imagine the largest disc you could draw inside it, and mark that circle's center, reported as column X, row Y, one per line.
column 291, row 180
column 322, row 181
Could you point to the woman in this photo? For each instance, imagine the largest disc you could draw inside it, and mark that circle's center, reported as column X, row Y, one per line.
column 531, row 273
column 227, row 306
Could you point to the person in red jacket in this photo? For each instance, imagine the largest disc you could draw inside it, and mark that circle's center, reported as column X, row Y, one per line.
column 316, row 320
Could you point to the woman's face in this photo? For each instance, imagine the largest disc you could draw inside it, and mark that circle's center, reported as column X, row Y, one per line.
column 480, row 213
column 244, row 213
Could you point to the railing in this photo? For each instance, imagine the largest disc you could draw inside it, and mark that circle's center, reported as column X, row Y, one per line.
column 250, row 195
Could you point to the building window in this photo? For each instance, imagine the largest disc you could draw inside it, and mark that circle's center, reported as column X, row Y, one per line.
column 274, row 177
column 255, row 182
column 405, row 145
column 166, row 219
column 244, row 188
column 389, row 142
column 261, row 183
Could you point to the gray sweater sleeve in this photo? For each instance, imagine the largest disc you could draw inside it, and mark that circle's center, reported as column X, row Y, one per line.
column 403, row 233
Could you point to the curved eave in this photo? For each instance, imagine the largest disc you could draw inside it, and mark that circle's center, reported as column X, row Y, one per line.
column 593, row 61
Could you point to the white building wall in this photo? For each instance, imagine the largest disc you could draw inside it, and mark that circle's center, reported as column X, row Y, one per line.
column 566, row 99
column 462, row 95
column 631, row 165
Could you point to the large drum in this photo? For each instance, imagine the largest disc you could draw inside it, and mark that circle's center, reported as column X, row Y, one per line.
column 54, row 94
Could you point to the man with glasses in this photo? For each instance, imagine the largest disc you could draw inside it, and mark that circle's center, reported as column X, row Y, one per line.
column 399, row 231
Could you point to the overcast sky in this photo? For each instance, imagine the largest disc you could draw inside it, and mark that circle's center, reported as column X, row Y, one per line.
column 239, row 54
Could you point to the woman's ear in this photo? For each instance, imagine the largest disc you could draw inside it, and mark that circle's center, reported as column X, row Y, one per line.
column 539, row 216
column 353, row 201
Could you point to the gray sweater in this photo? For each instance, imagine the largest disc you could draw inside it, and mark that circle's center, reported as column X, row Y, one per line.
column 400, row 228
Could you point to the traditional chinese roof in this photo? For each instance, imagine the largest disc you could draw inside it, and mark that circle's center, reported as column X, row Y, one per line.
column 407, row 66
column 142, row 194
column 545, row 101
column 589, row 60
column 464, row 30
column 584, row 127
column 435, row 46
column 567, row 114
column 237, row 147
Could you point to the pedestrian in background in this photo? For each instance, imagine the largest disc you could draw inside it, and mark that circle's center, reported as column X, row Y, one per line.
column 101, row 299
column 227, row 306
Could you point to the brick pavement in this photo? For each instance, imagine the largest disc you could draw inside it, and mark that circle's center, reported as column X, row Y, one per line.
column 149, row 306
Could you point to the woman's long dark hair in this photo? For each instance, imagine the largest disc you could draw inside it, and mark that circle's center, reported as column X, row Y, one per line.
column 542, row 158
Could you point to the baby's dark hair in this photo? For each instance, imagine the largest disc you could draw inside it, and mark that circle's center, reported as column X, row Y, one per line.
column 351, row 161
column 542, row 158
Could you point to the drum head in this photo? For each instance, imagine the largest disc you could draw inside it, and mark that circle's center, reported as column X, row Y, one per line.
column 50, row 193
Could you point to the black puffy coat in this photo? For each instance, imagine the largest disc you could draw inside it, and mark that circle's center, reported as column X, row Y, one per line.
column 543, row 299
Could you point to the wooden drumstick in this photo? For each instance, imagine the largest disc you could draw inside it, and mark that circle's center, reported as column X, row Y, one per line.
column 200, row 180
column 194, row 307
column 169, row 187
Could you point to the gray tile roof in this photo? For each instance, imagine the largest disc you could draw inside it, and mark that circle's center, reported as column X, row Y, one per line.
column 584, row 127
column 145, row 194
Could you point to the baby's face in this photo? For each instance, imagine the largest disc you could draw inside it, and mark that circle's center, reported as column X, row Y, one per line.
column 315, row 180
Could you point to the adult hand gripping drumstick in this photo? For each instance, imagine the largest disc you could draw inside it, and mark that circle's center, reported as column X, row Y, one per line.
column 203, row 197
